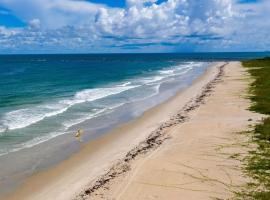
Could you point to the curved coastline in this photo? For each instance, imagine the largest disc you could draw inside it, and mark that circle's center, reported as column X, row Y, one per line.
column 97, row 156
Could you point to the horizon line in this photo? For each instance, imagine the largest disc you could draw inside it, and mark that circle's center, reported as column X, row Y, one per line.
column 115, row 53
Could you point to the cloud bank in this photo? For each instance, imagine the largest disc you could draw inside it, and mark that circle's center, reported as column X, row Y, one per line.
column 140, row 26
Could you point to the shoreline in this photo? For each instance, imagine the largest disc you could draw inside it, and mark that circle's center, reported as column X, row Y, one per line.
column 52, row 182
column 202, row 158
column 154, row 140
column 19, row 165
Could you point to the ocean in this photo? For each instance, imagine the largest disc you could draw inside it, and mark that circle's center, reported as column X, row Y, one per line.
column 44, row 96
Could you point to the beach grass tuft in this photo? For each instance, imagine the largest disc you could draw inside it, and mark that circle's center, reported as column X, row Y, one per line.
column 258, row 160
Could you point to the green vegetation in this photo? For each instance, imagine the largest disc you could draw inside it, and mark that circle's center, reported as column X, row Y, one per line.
column 258, row 161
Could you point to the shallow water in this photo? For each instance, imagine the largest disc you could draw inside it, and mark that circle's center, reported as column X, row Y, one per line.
column 45, row 96
column 44, row 99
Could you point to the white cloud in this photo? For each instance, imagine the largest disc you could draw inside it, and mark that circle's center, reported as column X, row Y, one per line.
column 67, row 23
column 131, row 3
column 34, row 23
column 5, row 32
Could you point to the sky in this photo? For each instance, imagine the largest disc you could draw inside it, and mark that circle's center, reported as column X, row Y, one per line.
column 127, row 26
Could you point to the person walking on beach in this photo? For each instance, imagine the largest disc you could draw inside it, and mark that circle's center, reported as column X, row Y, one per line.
column 78, row 135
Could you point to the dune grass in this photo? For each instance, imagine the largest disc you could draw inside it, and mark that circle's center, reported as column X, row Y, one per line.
column 258, row 161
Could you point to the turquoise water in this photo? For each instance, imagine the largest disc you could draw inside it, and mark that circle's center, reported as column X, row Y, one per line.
column 43, row 96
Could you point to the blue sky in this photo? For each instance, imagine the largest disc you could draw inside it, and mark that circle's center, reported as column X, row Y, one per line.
column 105, row 26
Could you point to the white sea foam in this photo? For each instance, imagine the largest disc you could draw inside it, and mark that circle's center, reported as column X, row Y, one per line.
column 64, row 130
column 125, row 84
column 33, row 142
column 163, row 75
column 167, row 72
column 178, row 69
column 156, row 91
column 82, row 118
column 95, row 94
column 69, row 123
column 152, row 79
column 25, row 117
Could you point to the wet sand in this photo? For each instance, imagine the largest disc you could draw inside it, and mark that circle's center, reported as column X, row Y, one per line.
column 202, row 157
column 150, row 157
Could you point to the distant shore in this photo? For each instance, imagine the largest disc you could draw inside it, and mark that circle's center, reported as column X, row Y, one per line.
column 175, row 131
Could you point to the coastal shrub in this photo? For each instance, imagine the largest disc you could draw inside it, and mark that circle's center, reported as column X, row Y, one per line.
column 258, row 161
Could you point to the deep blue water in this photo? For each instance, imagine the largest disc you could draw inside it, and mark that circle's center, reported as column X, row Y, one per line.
column 42, row 96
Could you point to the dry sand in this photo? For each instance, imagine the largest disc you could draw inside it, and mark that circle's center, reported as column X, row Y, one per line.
column 194, row 163
column 201, row 160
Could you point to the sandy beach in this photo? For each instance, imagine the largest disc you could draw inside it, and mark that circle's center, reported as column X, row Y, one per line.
column 199, row 160
column 181, row 149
